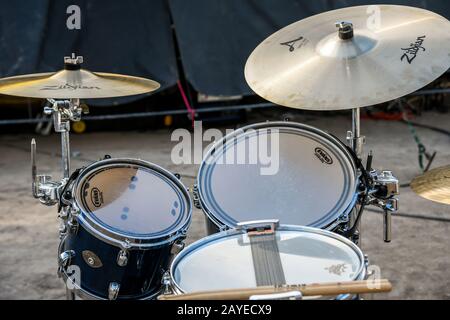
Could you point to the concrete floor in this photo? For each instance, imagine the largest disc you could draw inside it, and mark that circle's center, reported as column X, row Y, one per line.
column 417, row 261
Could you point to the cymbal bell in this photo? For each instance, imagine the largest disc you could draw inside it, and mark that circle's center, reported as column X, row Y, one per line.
column 351, row 57
column 74, row 82
column 434, row 185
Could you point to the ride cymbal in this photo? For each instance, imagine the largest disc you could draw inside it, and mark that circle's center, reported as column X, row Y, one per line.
column 74, row 82
column 434, row 185
column 379, row 53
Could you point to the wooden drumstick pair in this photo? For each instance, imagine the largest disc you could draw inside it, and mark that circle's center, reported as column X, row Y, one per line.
column 317, row 289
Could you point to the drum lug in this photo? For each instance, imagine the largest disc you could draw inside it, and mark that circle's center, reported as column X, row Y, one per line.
column 122, row 258
column 177, row 246
column 62, row 230
column 125, row 245
column 369, row 272
column 166, row 283
column 72, row 222
column 64, row 260
column 113, row 290
column 195, row 196
column 344, row 219
column 355, row 237
column 366, row 261
column 72, row 226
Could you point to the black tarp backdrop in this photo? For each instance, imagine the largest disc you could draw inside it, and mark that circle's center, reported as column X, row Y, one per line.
column 134, row 37
column 216, row 37
column 128, row 37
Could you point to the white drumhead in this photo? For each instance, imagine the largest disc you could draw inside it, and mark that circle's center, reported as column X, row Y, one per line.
column 133, row 199
column 224, row 261
column 314, row 184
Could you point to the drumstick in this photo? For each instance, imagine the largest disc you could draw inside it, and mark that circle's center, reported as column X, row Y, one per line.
column 316, row 289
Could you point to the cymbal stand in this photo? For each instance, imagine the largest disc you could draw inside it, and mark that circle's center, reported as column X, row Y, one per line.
column 356, row 142
column 44, row 188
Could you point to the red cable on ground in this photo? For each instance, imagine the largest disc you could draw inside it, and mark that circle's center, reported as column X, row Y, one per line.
column 186, row 103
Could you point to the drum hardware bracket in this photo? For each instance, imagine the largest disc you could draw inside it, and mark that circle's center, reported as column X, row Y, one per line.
column 72, row 226
column 366, row 261
column 113, row 290
column 177, row 246
column 122, row 258
column 43, row 188
column 125, row 245
column 64, row 259
column 195, row 196
column 386, row 186
column 167, row 284
column 259, row 227
column 71, row 219
column 62, row 229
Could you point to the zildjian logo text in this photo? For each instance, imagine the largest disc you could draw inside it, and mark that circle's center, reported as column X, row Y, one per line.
column 69, row 87
column 411, row 53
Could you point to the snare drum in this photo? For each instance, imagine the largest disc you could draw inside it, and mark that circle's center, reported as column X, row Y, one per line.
column 314, row 184
column 230, row 260
column 125, row 217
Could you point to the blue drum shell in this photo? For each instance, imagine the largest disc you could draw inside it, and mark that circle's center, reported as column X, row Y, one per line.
column 139, row 279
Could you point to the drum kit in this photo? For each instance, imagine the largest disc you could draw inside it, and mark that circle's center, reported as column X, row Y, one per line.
column 287, row 235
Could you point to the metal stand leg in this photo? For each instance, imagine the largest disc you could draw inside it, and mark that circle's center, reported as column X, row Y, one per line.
column 69, row 294
column 65, row 150
column 356, row 142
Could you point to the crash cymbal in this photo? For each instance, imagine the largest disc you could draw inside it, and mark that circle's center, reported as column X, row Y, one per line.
column 434, row 185
column 317, row 64
column 74, row 82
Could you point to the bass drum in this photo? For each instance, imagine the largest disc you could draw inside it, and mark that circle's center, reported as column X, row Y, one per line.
column 230, row 260
column 126, row 215
column 310, row 178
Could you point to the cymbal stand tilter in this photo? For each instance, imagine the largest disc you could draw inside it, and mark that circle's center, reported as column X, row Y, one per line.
column 62, row 112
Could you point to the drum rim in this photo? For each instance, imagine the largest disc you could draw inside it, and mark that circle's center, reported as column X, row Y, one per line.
column 359, row 274
column 293, row 125
column 121, row 239
column 87, row 295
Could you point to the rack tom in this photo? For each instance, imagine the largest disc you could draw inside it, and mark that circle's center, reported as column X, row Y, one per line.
column 125, row 218
column 313, row 181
